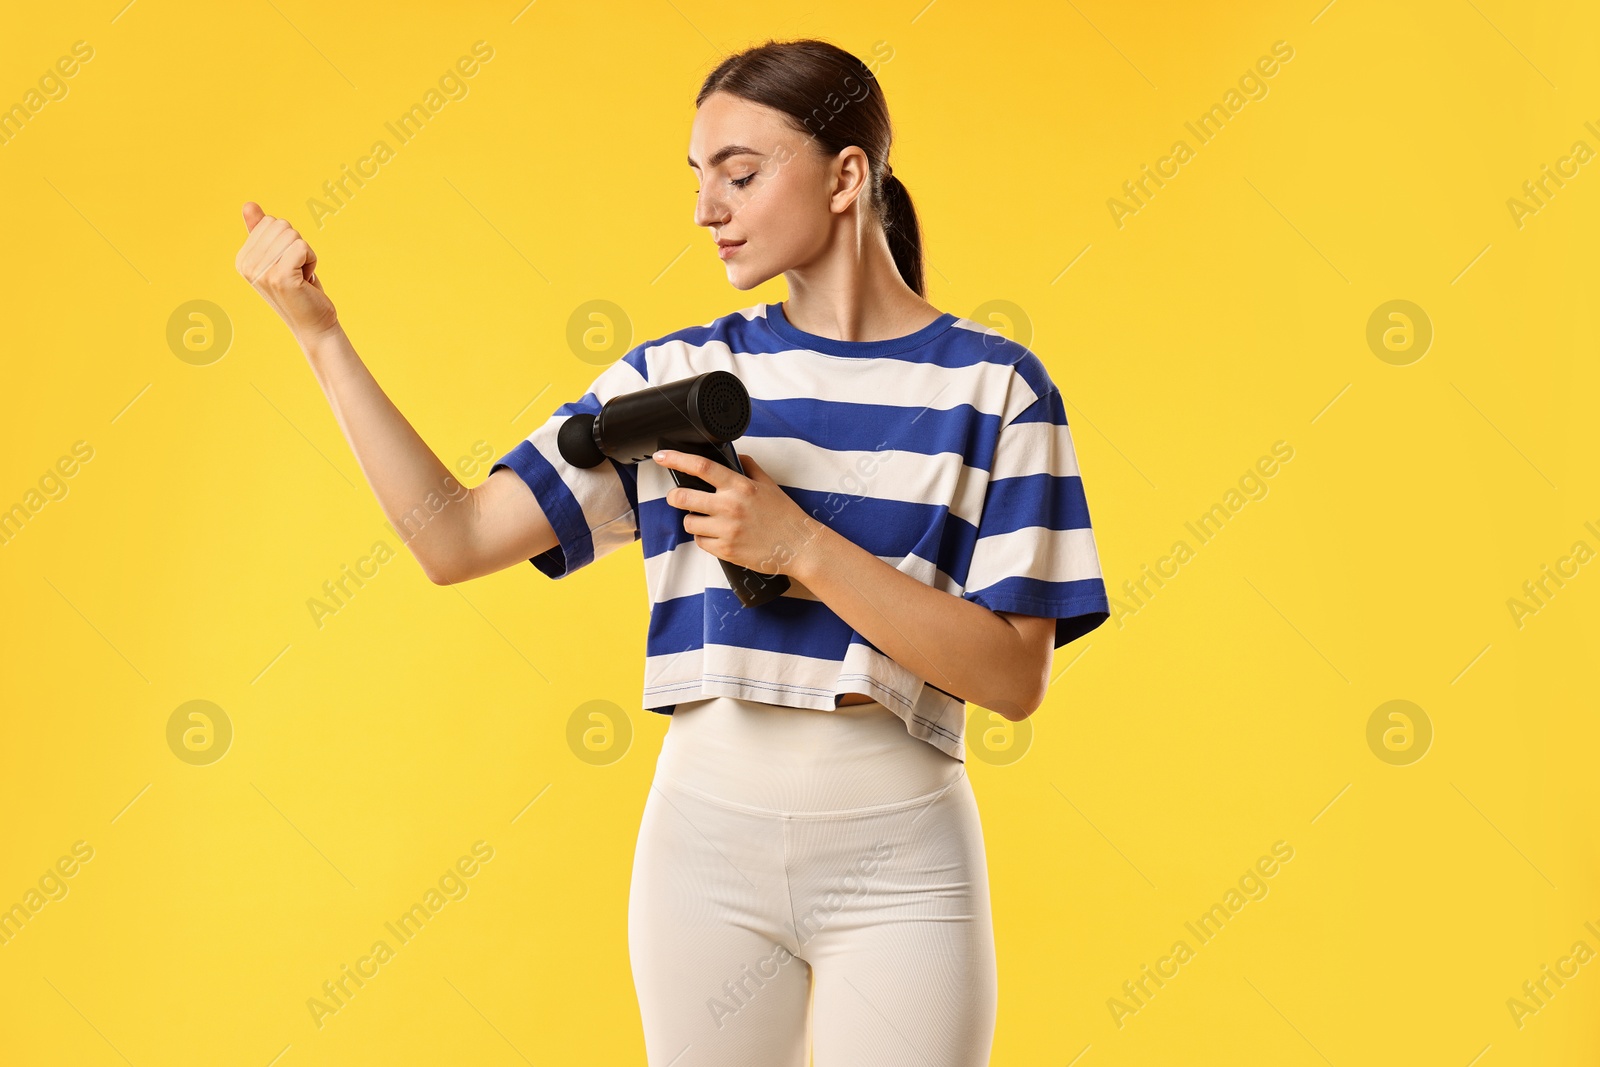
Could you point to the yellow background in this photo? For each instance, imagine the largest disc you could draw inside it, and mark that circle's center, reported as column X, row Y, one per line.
column 1228, row 713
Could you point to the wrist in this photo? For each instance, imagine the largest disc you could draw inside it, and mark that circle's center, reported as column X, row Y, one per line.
column 816, row 543
column 313, row 341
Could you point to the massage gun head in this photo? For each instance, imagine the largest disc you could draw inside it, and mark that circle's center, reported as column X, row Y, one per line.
column 575, row 441
column 722, row 404
column 712, row 407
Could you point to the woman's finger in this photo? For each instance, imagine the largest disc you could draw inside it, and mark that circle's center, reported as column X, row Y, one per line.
column 708, row 471
column 291, row 265
column 250, row 250
column 752, row 469
column 274, row 252
column 691, row 499
column 259, row 252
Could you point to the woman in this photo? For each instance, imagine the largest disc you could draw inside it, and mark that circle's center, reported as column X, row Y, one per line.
column 810, row 875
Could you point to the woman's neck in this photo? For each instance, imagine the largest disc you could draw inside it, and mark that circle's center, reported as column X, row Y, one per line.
column 853, row 291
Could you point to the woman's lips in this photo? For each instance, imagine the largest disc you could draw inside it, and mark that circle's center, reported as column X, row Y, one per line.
column 724, row 251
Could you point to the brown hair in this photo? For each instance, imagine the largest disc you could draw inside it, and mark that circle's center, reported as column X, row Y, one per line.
column 835, row 99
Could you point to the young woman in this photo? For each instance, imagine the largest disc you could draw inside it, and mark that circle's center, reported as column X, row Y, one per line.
column 810, row 875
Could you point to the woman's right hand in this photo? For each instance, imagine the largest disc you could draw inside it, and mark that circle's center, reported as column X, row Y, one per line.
column 281, row 265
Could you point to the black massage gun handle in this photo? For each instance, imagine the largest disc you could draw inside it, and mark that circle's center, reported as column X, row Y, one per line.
column 752, row 587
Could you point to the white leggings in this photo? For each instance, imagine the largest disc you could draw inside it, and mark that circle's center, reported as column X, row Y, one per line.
column 810, row 883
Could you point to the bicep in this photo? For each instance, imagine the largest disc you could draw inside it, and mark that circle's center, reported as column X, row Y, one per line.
column 508, row 527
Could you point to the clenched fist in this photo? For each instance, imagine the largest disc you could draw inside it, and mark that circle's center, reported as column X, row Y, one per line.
column 280, row 264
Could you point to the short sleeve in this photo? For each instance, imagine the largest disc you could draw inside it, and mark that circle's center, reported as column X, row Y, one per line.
column 1035, row 552
column 594, row 511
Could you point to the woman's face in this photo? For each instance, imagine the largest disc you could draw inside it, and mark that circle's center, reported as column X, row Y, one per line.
column 761, row 183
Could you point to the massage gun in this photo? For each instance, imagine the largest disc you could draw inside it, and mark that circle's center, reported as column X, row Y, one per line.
column 700, row 415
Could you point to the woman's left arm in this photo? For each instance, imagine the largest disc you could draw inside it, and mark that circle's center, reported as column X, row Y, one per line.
column 997, row 660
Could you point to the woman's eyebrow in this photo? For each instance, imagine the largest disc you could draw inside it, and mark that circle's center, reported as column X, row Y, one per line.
column 723, row 153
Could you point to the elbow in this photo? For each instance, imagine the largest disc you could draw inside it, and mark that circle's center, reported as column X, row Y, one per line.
column 438, row 574
column 1022, row 701
column 1019, row 711
column 1019, row 684
column 1013, row 703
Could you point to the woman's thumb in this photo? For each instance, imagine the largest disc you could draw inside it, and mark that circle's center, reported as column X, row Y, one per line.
column 252, row 215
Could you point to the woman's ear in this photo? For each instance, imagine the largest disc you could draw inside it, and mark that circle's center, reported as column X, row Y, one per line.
column 852, row 180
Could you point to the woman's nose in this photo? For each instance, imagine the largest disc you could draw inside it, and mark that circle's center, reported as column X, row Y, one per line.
column 709, row 209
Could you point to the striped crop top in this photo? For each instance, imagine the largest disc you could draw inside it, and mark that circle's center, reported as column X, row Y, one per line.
column 945, row 453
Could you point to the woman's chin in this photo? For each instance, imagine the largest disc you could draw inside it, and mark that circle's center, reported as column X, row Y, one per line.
column 744, row 279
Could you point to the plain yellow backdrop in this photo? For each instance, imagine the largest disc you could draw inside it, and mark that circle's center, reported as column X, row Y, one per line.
column 1225, row 710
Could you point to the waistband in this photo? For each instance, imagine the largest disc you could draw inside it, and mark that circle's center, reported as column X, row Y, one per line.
column 769, row 758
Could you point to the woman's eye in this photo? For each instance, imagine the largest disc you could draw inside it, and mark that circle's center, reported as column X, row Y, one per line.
column 739, row 182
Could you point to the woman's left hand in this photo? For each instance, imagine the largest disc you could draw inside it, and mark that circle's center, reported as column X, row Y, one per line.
column 749, row 521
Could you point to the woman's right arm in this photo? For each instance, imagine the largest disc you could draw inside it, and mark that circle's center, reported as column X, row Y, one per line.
column 479, row 530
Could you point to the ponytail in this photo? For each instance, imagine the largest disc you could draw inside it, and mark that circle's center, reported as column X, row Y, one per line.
column 905, row 236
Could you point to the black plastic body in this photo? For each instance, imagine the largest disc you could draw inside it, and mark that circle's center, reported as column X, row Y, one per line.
column 700, row 415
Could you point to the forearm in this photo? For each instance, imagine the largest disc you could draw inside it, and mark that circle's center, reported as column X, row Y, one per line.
column 427, row 506
column 957, row 645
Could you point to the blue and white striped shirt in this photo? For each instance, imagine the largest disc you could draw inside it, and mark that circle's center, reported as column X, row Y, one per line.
column 945, row 453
